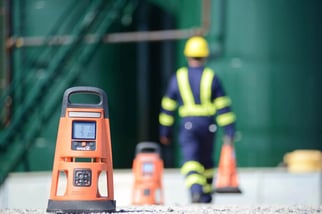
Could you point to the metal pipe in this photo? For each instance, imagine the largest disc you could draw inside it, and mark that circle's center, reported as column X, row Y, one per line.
column 221, row 29
column 143, row 76
column 8, row 67
column 146, row 36
column 151, row 35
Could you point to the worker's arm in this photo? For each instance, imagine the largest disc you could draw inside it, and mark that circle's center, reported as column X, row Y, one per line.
column 167, row 112
column 225, row 116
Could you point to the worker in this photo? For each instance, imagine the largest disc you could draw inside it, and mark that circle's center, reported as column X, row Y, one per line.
column 198, row 95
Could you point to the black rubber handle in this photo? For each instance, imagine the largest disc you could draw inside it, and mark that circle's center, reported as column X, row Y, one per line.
column 148, row 147
column 84, row 90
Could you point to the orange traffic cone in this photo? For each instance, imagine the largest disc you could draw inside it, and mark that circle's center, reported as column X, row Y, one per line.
column 227, row 180
column 83, row 157
column 147, row 170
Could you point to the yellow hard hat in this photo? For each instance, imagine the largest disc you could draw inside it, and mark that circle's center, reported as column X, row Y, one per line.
column 196, row 46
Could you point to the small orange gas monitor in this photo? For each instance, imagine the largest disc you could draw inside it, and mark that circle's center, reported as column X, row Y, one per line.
column 82, row 177
column 147, row 170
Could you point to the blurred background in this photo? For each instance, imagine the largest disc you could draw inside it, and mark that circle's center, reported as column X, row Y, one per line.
column 268, row 55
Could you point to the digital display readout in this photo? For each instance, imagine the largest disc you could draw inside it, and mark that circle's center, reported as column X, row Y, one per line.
column 147, row 167
column 84, row 130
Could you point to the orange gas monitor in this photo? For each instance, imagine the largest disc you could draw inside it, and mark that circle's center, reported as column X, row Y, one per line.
column 147, row 170
column 82, row 177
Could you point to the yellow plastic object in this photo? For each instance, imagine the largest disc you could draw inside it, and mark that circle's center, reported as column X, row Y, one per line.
column 196, row 46
column 300, row 161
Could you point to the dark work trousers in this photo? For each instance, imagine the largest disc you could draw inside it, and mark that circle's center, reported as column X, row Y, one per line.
column 196, row 139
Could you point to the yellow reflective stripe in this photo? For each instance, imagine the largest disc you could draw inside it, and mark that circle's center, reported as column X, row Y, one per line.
column 192, row 166
column 195, row 179
column 209, row 173
column 197, row 110
column 166, row 120
column 205, row 86
column 184, row 86
column 189, row 108
column 226, row 119
column 222, row 102
column 207, row 188
column 168, row 104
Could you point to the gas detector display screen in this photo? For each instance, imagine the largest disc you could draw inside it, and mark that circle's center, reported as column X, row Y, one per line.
column 84, row 130
column 147, row 167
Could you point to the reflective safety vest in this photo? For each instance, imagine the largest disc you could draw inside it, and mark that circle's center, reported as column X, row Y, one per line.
column 190, row 108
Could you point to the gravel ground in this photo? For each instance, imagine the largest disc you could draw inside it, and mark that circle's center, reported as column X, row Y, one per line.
column 196, row 209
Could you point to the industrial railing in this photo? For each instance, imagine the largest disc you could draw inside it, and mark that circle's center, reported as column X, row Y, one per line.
column 59, row 67
column 60, row 63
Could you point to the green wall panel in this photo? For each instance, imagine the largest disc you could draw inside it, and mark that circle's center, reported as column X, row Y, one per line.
column 113, row 68
column 270, row 66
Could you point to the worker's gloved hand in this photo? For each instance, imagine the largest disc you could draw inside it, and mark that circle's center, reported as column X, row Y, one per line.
column 229, row 140
column 165, row 140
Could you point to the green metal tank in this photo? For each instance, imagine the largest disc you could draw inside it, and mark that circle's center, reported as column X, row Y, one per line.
column 267, row 54
column 271, row 67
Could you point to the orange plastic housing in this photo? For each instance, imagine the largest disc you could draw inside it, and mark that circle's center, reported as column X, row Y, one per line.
column 227, row 179
column 147, row 170
column 83, row 157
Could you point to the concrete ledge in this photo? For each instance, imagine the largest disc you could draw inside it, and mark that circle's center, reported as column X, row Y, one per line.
column 260, row 186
